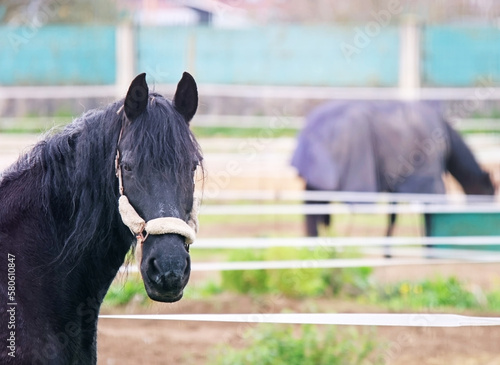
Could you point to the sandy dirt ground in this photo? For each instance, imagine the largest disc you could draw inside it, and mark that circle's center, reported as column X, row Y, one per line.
column 162, row 342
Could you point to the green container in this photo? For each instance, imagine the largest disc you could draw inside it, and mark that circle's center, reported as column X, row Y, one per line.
column 466, row 224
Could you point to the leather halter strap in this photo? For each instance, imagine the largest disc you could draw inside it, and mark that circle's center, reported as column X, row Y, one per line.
column 118, row 170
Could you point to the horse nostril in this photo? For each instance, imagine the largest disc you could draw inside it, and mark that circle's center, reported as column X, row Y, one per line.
column 154, row 270
column 187, row 268
column 161, row 274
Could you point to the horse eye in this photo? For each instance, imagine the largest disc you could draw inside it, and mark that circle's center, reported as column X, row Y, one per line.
column 195, row 165
column 127, row 166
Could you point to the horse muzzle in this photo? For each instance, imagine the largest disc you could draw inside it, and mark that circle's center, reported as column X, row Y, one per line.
column 164, row 260
column 165, row 267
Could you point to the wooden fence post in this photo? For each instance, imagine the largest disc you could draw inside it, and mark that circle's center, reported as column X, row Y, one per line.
column 125, row 57
column 409, row 58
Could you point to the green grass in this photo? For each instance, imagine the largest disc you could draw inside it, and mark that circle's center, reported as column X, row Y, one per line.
column 295, row 283
column 132, row 290
column 492, row 114
column 230, row 132
column 303, row 345
column 352, row 284
column 203, row 290
column 432, row 294
column 35, row 124
column 120, row 294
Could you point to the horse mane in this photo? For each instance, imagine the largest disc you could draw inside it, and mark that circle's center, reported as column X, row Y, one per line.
column 78, row 187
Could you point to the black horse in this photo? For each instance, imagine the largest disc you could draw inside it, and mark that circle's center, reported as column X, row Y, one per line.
column 383, row 146
column 62, row 237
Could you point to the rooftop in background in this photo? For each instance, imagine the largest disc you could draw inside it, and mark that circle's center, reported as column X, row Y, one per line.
column 186, row 12
column 242, row 12
column 237, row 13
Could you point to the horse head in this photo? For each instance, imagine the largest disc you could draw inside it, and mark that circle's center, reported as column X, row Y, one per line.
column 157, row 156
column 480, row 185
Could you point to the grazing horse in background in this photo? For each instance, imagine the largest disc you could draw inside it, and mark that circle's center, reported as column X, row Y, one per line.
column 73, row 206
column 383, row 146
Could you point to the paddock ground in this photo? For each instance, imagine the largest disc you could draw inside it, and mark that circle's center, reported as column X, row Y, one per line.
column 187, row 343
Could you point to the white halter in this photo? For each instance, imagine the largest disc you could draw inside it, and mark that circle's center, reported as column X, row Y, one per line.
column 164, row 225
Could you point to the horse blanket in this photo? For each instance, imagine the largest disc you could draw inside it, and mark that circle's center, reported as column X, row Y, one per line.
column 370, row 146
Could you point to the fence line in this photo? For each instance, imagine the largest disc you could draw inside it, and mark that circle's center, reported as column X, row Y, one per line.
column 351, row 319
column 258, row 91
column 327, row 263
column 313, row 264
column 342, row 242
column 342, row 319
column 469, row 256
column 298, row 122
column 346, row 196
column 215, row 120
column 294, row 209
column 59, row 92
column 433, row 257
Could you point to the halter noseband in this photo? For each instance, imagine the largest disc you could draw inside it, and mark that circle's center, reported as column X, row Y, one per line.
column 164, row 225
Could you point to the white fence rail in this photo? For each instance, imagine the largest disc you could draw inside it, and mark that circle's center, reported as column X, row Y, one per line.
column 342, row 319
column 259, row 91
column 345, row 196
column 294, row 209
column 341, row 242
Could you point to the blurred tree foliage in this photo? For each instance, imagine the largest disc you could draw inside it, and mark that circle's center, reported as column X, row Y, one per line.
column 40, row 12
column 19, row 12
column 359, row 11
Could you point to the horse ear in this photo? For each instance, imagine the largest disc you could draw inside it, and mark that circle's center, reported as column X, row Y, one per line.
column 186, row 97
column 136, row 100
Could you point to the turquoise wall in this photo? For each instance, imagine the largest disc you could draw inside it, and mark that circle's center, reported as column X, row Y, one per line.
column 57, row 55
column 279, row 55
column 461, row 56
column 289, row 55
column 466, row 224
